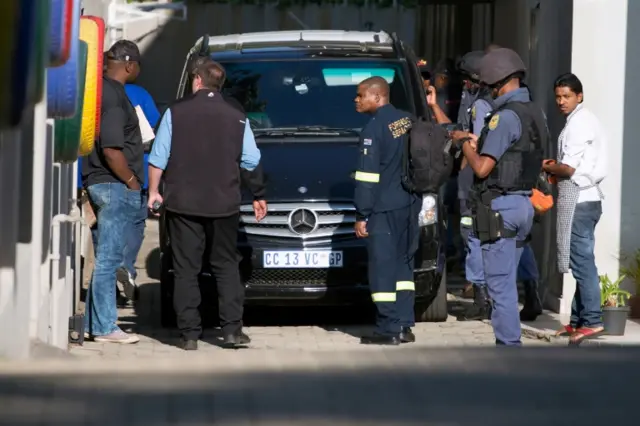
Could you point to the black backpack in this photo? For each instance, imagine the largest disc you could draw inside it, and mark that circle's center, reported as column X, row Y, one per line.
column 427, row 161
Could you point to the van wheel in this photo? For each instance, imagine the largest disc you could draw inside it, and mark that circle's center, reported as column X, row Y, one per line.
column 436, row 311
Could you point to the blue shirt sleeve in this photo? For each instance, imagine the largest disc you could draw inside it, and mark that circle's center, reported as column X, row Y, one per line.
column 250, row 152
column 503, row 131
column 161, row 149
column 479, row 112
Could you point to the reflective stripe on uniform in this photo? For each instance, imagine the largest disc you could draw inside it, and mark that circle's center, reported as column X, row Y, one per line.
column 368, row 177
column 406, row 286
column 383, row 297
column 466, row 221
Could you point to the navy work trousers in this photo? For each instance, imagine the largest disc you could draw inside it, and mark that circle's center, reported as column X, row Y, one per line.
column 391, row 246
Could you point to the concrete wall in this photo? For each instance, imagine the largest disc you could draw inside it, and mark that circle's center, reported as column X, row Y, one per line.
column 435, row 31
column 36, row 290
column 591, row 38
column 605, row 57
column 540, row 31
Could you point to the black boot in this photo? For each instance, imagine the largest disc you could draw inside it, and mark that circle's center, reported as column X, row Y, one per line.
column 481, row 308
column 532, row 303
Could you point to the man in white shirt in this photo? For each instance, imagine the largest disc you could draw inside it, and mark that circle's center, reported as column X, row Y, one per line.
column 581, row 166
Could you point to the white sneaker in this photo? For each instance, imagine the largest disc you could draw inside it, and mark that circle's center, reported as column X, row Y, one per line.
column 117, row 336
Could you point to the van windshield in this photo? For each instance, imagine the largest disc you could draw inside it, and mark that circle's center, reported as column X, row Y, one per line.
column 309, row 92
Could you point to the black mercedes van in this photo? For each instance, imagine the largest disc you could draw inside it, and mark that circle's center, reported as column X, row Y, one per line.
column 297, row 89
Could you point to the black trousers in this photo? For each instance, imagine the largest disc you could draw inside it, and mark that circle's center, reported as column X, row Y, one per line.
column 192, row 237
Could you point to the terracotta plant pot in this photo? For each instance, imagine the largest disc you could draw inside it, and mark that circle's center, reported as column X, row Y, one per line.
column 634, row 304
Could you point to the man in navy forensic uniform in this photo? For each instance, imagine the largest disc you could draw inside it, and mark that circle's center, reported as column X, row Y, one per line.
column 386, row 214
column 506, row 160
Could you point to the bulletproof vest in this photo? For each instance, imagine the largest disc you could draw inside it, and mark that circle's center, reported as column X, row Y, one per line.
column 519, row 167
column 203, row 173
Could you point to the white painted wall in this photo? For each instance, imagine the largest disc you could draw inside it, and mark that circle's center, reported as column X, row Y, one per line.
column 589, row 38
column 33, row 305
column 605, row 57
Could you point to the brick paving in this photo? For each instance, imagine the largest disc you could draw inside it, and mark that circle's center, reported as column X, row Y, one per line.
column 310, row 330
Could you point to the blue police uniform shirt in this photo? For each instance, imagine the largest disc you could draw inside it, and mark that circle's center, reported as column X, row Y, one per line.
column 161, row 150
column 480, row 109
column 466, row 102
column 506, row 128
column 479, row 112
column 139, row 96
column 379, row 174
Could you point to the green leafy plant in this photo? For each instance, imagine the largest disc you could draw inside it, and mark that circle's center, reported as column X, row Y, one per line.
column 632, row 270
column 611, row 295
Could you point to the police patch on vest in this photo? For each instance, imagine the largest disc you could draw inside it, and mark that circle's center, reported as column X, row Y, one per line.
column 494, row 122
column 367, row 141
column 399, row 127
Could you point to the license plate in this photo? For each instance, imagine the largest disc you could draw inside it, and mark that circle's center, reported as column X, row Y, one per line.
column 302, row 259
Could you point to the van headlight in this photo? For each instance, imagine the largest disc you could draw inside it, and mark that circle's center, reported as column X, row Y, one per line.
column 429, row 211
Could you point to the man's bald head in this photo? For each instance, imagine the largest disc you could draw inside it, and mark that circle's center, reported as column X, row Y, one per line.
column 373, row 93
column 377, row 85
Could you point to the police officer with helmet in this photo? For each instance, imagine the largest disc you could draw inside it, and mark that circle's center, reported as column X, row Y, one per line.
column 386, row 214
column 476, row 114
column 506, row 160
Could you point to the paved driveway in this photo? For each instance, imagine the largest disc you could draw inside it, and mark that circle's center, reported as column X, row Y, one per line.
column 311, row 371
column 414, row 386
column 271, row 329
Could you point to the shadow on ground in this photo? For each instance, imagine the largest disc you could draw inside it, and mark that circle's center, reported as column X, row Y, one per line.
column 492, row 387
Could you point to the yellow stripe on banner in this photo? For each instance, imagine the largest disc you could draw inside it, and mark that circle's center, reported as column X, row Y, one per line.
column 368, row 177
column 89, row 34
column 405, row 286
column 383, row 297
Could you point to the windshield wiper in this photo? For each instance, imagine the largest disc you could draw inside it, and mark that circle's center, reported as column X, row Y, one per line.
column 306, row 130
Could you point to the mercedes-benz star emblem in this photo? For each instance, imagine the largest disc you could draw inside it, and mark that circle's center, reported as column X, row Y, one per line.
column 303, row 221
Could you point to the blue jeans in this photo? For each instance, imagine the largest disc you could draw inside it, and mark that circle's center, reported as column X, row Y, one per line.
column 115, row 207
column 585, row 309
column 134, row 238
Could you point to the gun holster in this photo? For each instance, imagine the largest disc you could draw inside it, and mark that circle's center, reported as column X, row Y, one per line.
column 488, row 224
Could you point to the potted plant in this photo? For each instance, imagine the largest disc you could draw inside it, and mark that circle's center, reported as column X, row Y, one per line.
column 614, row 309
column 632, row 271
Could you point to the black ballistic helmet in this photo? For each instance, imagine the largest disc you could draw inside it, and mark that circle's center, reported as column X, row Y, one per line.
column 469, row 64
column 500, row 64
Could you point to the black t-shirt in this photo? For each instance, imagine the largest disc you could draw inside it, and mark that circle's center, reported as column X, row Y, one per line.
column 119, row 129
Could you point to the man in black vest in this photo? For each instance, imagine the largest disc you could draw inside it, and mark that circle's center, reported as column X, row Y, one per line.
column 201, row 144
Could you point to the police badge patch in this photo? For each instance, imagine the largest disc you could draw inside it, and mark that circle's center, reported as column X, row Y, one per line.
column 494, row 122
column 367, row 141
